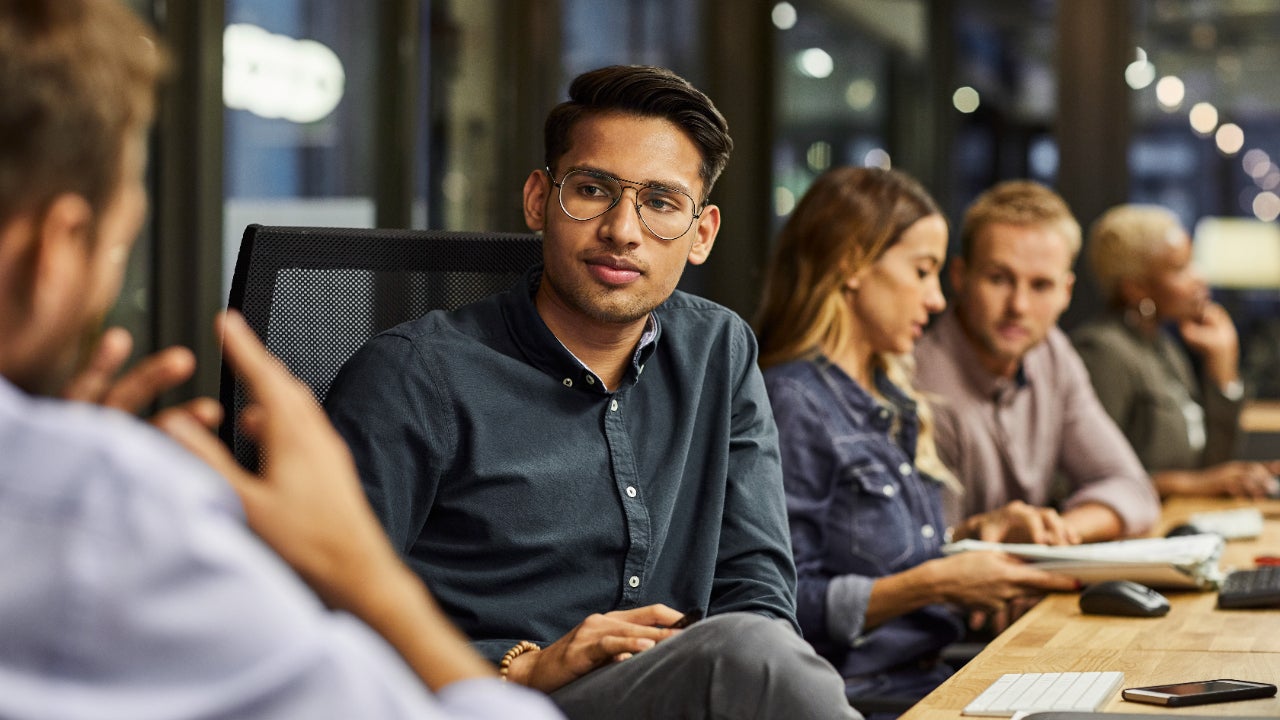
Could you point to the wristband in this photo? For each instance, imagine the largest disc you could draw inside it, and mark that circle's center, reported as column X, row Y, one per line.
column 520, row 648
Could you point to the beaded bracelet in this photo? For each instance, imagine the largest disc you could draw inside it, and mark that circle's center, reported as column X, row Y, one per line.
column 520, row 648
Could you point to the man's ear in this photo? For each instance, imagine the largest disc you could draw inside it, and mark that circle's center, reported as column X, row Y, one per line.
column 62, row 248
column 45, row 262
column 37, row 253
column 537, row 188
column 705, row 231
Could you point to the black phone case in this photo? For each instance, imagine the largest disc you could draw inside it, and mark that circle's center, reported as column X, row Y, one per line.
column 1246, row 693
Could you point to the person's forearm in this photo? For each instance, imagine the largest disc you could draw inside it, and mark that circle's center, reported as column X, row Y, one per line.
column 896, row 595
column 400, row 609
column 1179, row 482
column 1094, row 522
column 1222, row 368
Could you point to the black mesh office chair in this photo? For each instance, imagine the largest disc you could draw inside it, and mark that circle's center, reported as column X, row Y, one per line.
column 315, row 295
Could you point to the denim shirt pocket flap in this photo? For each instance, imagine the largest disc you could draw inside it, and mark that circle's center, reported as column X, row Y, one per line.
column 878, row 519
column 872, row 477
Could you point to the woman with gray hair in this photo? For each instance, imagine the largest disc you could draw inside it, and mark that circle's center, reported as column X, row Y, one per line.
column 1165, row 358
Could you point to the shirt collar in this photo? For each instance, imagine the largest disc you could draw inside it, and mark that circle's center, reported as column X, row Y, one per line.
column 987, row 383
column 545, row 351
column 860, row 402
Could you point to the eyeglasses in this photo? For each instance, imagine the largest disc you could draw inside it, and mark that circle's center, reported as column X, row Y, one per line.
column 667, row 212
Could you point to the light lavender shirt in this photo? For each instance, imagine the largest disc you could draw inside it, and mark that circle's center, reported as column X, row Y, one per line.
column 1006, row 439
column 133, row 589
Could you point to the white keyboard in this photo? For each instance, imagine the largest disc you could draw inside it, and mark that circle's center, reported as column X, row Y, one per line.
column 1027, row 692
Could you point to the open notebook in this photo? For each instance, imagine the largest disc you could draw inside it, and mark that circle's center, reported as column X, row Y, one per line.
column 1187, row 562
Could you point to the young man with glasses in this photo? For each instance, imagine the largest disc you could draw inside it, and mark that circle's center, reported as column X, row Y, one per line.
column 574, row 463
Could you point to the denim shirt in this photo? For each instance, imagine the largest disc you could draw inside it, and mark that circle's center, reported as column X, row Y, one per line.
column 859, row 510
column 529, row 496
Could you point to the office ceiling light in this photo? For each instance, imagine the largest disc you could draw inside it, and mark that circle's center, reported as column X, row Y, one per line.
column 1140, row 73
column 877, row 158
column 1236, row 252
column 1256, row 163
column 1170, row 92
column 815, row 63
column 276, row 76
column 818, row 156
column 1229, row 138
column 860, row 94
column 784, row 16
column 965, row 99
column 1203, row 117
column 1271, row 180
column 1266, row 206
column 784, row 201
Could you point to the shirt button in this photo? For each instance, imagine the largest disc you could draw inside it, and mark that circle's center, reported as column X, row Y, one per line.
column 567, row 382
column 613, row 406
column 889, row 491
column 927, row 531
column 634, row 581
column 904, row 469
column 591, row 380
column 631, row 491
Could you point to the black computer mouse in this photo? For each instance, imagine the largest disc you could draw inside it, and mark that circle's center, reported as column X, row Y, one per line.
column 1122, row 597
column 1183, row 529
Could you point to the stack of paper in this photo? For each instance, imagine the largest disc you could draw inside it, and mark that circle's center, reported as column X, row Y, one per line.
column 1186, row 562
column 1238, row 524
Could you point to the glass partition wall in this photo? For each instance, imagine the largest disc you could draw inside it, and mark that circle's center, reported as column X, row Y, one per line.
column 427, row 113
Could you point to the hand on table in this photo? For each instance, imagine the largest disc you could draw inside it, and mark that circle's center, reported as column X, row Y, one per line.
column 1019, row 522
column 1242, row 479
column 993, row 585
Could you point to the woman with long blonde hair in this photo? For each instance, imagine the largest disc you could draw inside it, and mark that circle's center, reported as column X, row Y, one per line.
column 851, row 287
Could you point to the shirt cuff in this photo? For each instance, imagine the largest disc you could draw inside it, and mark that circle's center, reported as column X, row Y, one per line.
column 848, row 597
column 492, row 698
column 1134, row 499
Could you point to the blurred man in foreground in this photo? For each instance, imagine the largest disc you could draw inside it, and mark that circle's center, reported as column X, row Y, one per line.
column 132, row 586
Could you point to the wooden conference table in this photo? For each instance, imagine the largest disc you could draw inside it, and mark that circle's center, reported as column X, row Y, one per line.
column 1195, row 641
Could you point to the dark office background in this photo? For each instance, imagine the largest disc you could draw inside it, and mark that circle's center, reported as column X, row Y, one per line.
column 428, row 113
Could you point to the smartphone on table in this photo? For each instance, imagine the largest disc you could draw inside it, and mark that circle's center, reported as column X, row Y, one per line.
column 1200, row 692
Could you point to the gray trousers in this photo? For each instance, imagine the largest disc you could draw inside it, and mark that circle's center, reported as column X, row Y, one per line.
column 732, row 667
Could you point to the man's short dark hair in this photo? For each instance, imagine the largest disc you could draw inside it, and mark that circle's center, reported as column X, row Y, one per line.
column 648, row 92
column 76, row 76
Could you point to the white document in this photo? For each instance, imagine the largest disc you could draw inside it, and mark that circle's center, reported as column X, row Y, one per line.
column 1237, row 524
column 1186, row 562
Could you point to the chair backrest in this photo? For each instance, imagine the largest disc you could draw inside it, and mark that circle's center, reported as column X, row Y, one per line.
column 315, row 295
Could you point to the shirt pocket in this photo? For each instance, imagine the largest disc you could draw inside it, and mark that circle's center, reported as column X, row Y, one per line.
column 876, row 518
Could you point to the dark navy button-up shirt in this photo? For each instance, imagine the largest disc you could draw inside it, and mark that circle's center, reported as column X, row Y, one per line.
column 528, row 496
column 859, row 510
